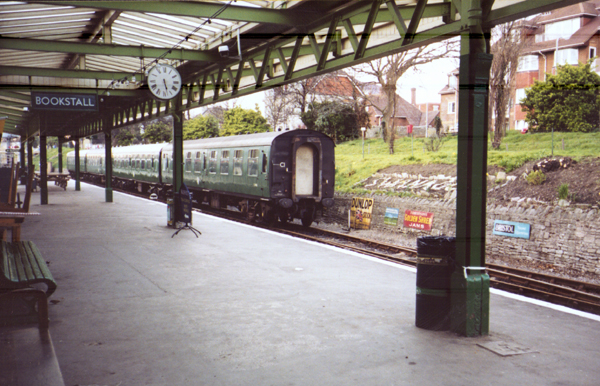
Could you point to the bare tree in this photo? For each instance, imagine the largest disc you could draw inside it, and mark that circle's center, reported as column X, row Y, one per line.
column 509, row 42
column 278, row 106
column 390, row 69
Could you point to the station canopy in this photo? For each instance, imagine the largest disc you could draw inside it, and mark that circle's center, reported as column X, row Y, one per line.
column 104, row 49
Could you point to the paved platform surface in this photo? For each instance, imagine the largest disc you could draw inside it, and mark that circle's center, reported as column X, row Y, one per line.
column 242, row 306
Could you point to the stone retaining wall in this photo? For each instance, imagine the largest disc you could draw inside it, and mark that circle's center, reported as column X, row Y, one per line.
column 562, row 239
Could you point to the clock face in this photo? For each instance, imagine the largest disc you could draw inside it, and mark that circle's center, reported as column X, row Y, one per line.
column 164, row 81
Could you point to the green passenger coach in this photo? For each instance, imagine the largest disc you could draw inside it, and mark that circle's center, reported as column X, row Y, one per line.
column 267, row 176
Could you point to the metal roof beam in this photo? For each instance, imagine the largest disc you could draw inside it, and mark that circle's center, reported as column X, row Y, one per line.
column 105, row 49
column 197, row 9
column 77, row 74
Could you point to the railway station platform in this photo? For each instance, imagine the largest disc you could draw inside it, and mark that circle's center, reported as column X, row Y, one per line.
column 244, row 306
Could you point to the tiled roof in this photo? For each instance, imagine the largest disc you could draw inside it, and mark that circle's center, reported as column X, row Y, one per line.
column 579, row 38
column 588, row 8
column 403, row 108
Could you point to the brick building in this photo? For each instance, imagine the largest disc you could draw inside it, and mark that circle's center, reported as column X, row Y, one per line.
column 567, row 35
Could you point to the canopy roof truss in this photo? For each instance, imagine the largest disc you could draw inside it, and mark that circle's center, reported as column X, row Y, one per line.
column 98, row 47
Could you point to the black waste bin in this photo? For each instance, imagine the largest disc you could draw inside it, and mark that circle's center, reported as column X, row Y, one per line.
column 435, row 263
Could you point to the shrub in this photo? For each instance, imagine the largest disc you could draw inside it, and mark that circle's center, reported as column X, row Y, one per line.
column 433, row 143
column 536, row 178
column 563, row 192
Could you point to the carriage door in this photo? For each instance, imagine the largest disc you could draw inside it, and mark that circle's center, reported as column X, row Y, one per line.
column 306, row 167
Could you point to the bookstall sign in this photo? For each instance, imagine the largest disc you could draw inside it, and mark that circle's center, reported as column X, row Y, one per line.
column 511, row 229
column 60, row 101
column 391, row 216
column 360, row 213
column 418, row 220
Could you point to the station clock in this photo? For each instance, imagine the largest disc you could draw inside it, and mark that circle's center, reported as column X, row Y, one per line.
column 164, row 81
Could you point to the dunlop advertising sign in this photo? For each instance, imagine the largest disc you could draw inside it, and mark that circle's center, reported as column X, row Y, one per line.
column 360, row 212
column 59, row 101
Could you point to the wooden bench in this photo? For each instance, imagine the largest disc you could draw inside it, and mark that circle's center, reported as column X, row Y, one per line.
column 14, row 224
column 22, row 267
column 60, row 179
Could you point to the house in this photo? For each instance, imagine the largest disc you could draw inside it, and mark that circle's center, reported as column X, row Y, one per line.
column 568, row 35
column 419, row 116
column 449, row 103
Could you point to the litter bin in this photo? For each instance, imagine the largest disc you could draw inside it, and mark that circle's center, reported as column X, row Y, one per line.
column 435, row 263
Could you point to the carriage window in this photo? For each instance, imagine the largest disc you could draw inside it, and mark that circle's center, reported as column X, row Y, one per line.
column 137, row 163
column 143, row 164
column 188, row 161
column 198, row 162
column 253, row 163
column 170, row 162
column 238, row 156
column 212, row 163
column 225, row 162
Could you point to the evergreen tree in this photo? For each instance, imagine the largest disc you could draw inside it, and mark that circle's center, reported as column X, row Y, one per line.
column 202, row 126
column 567, row 101
column 243, row 121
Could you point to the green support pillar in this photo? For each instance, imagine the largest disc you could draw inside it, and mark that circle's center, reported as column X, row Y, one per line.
column 77, row 167
column 22, row 156
column 470, row 284
column 43, row 171
column 177, row 156
column 108, row 162
column 60, row 154
column 30, row 153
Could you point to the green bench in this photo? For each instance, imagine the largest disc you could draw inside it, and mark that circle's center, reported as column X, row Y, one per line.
column 22, row 270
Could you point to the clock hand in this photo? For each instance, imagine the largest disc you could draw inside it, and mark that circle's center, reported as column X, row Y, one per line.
column 165, row 82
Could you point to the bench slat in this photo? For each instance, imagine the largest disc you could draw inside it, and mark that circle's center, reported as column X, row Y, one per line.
column 23, row 265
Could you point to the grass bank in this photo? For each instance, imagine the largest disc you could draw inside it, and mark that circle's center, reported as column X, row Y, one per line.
column 516, row 149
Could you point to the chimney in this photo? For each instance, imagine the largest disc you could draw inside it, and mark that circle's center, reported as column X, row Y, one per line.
column 413, row 96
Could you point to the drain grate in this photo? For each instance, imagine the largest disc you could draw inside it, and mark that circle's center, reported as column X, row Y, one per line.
column 506, row 349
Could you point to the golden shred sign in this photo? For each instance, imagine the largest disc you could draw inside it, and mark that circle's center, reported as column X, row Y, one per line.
column 361, row 211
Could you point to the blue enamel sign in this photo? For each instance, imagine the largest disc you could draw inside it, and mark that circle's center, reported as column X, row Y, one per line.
column 511, row 229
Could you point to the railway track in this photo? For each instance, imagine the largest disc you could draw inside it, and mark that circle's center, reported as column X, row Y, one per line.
column 571, row 293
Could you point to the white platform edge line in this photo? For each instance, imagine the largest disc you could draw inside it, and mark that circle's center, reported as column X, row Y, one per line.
column 399, row 266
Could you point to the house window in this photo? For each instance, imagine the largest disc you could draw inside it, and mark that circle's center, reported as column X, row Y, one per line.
column 520, row 95
column 528, row 63
column 451, row 107
column 452, row 81
column 567, row 56
column 561, row 29
column 592, row 52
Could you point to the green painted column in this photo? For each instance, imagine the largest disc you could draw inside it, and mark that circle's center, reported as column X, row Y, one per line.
column 177, row 157
column 77, row 166
column 30, row 152
column 470, row 284
column 43, row 171
column 108, row 161
column 61, row 141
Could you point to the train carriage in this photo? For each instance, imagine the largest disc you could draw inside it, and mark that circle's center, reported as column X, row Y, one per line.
column 267, row 176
